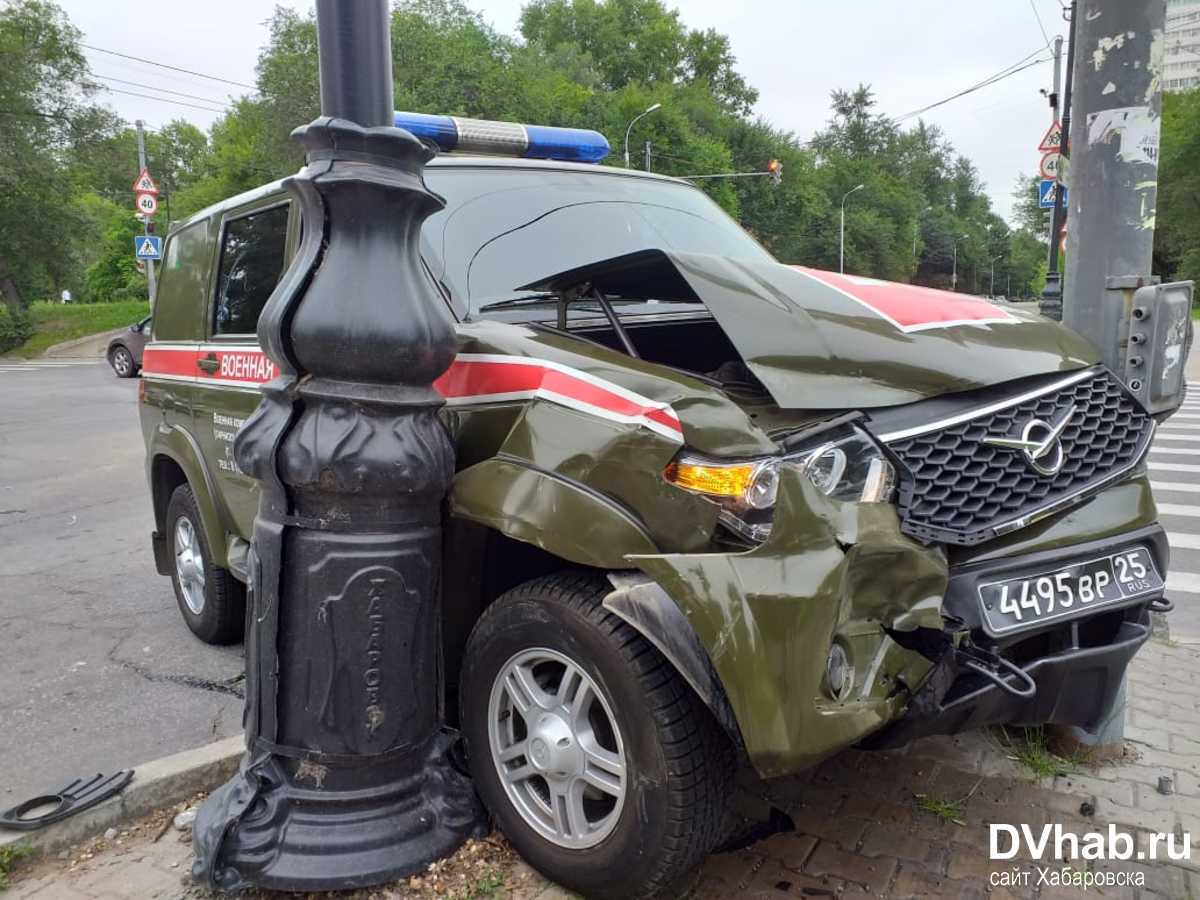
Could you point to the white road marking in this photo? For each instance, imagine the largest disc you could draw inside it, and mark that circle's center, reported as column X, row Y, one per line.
column 1176, row 427
column 1176, row 436
column 1172, row 467
column 1176, row 451
column 1184, row 487
column 1180, row 541
column 1187, row 416
column 1183, row 582
column 1178, row 509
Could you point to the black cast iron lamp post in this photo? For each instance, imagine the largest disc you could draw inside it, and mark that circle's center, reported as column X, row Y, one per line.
column 346, row 780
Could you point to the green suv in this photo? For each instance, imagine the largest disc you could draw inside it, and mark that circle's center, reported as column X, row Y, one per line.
column 711, row 511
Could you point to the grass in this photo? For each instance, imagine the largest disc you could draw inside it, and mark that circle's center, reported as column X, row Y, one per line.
column 948, row 812
column 10, row 854
column 57, row 322
column 1027, row 746
column 484, row 886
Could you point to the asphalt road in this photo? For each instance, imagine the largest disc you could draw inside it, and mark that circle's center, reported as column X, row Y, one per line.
column 97, row 670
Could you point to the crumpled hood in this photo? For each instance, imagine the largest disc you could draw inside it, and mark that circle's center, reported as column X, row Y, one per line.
column 820, row 340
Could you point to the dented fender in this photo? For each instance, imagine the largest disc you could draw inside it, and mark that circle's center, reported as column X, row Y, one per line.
column 549, row 510
column 766, row 617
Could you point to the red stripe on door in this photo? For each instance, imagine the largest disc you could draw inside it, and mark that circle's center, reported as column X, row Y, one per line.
column 465, row 379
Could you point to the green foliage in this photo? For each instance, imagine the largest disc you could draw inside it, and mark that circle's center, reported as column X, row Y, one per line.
column 1177, row 235
column 54, row 323
column 114, row 276
column 10, row 855
column 16, row 328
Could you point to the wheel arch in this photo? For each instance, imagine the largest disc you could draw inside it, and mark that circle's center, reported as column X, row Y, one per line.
column 176, row 460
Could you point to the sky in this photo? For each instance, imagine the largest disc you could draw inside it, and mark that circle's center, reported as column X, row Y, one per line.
column 911, row 52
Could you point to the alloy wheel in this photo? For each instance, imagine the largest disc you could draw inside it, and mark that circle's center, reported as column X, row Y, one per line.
column 557, row 748
column 189, row 564
column 122, row 362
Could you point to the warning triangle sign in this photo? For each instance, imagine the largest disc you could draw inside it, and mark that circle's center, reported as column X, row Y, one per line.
column 145, row 184
column 1052, row 142
column 147, row 248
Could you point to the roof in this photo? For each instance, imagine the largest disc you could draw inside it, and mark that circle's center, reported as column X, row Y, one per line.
column 438, row 162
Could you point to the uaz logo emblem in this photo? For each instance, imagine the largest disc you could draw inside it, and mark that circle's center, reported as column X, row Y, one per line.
column 1040, row 443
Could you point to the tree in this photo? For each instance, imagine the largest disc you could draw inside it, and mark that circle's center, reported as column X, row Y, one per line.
column 43, row 109
column 1177, row 236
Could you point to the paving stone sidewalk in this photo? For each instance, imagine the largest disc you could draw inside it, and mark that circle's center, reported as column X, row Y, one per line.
column 911, row 823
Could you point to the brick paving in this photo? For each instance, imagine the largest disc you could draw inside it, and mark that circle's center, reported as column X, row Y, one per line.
column 861, row 825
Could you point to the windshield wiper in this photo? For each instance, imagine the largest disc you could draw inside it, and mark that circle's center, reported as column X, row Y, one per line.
column 527, row 300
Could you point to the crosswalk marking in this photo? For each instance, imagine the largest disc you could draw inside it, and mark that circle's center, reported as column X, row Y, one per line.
column 1176, row 436
column 1172, row 467
column 1176, row 451
column 1184, row 583
column 1178, row 416
column 1180, row 541
column 1179, row 509
column 1176, row 427
column 41, row 365
column 1182, row 487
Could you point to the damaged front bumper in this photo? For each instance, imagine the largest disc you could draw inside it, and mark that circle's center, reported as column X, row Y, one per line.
column 753, row 631
column 1070, row 671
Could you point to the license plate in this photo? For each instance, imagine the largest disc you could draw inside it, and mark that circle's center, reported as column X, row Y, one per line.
column 1068, row 591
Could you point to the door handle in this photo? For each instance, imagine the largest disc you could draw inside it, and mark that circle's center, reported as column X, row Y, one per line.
column 209, row 363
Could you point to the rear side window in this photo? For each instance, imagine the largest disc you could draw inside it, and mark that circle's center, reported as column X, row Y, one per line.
column 183, row 284
column 252, row 249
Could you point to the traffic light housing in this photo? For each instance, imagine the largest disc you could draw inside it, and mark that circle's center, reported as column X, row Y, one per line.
column 775, row 168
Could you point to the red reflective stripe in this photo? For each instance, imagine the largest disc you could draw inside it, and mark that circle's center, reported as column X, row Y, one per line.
column 474, row 379
column 159, row 361
column 910, row 305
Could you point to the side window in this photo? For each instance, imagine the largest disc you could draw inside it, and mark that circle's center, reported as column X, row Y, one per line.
column 252, row 251
column 183, row 284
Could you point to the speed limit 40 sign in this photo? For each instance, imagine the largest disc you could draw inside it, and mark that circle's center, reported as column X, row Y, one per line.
column 147, row 204
column 1049, row 167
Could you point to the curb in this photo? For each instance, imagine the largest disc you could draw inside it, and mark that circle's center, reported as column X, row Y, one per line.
column 56, row 349
column 162, row 782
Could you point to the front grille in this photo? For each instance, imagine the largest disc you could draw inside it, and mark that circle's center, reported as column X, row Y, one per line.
column 957, row 489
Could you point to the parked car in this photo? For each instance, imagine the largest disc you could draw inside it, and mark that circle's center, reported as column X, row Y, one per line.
column 711, row 510
column 125, row 350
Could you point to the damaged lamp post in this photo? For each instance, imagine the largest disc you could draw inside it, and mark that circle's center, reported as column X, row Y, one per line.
column 346, row 780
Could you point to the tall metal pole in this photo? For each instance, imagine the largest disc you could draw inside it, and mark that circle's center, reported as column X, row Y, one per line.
column 647, row 157
column 842, row 232
column 151, row 279
column 347, row 779
column 1117, row 108
column 1051, row 303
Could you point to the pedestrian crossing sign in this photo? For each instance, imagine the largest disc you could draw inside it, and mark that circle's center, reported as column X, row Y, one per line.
column 147, row 246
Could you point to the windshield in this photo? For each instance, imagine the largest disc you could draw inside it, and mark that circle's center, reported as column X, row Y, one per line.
column 503, row 228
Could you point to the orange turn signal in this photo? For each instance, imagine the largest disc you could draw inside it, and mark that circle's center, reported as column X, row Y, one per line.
column 732, row 480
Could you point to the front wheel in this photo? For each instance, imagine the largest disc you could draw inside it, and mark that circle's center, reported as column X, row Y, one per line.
column 122, row 362
column 599, row 763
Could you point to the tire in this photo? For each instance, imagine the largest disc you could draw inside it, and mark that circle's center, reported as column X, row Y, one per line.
column 122, row 362
column 677, row 763
column 211, row 600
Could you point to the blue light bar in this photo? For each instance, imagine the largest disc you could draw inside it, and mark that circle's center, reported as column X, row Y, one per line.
column 506, row 138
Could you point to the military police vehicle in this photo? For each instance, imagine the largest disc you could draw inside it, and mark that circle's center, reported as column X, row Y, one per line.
column 710, row 510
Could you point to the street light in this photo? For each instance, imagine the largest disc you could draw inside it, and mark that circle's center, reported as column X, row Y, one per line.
column 954, row 276
column 917, row 229
column 842, row 234
column 647, row 112
column 992, row 279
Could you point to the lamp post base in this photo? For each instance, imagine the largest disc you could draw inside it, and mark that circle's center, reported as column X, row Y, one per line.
column 295, row 825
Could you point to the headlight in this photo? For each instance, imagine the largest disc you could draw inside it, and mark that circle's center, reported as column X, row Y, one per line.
column 847, row 465
column 844, row 464
column 745, row 490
